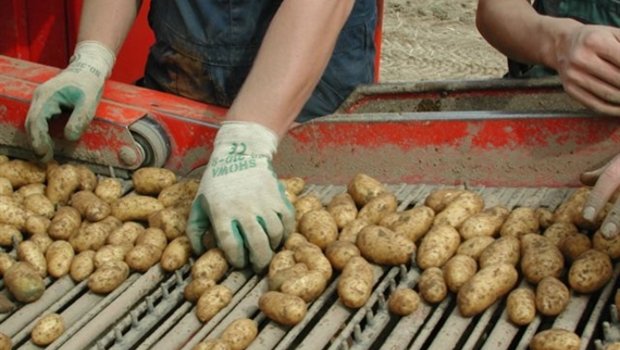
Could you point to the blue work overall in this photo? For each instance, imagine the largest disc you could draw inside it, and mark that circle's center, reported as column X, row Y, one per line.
column 204, row 51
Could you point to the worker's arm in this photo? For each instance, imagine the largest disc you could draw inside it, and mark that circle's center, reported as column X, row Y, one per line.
column 240, row 196
column 586, row 57
column 103, row 27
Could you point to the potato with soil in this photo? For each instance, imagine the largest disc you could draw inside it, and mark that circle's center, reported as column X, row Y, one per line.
column 521, row 306
column 343, row 209
column 212, row 301
column 520, row 221
column 180, row 192
column 382, row 246
column 504, row 250
column 108, row 277
column 24, row 282
column 82, row 266
column 212, row 264
column 127, row 233
column 240, row 333
column 460, row 209
column 28, row 252
column 319, row 227
column 552, row 296
column 92, row 236
column 458, row 270
column 212, row 344
column 474, row 247
column 438, row 246
column 11, row 214
column 40, row 205
column 352, row 229
column 282, row 260
column 486, row 287
column 6, row 261
column 170, row 220
column 559, row 231
column 294, row 184
column 432, row 285
column 340, row 252
column 28, row 190
column 590, row 272
column 153, row 236
column 88, row 179
column 307, row 286
column 287, row 310
column 413, row 223
column 439, row 199
column 109, row 189
column 135, row 207
column 355, row 283
column 540, row 258
column 545, row 217
column 6, row 189
column 111, row 252
column 91, row 207
column 276, row 280
column 311, row 256
column 36, row 224
column 59, row 256
column 8, row 233
column 363, row 188
column 47, row 329
column 378, row 207
column 61, row 183
column 143, row 256
column 555, row 339
column 22, row 173
column 486, row 223
column 575, row 245
column 5, row 342
column 176, row 254
column 403, row 301
column 65, row 223
column 196, row 288
column 151, row 181
column 610, row 247
column 306, row 203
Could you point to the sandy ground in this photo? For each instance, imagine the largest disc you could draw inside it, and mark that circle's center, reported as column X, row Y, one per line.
column 435, row 40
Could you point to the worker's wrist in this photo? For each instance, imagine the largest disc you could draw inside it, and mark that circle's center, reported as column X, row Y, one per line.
column 92, row 57
column 247, row 138
column 559, row 32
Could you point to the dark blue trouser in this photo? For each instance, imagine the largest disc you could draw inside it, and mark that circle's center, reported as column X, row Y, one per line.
column 204, row 51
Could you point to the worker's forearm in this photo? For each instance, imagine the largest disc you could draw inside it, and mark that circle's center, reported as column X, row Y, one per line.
column 290, row 62
column 514, row 28
column 107, row 21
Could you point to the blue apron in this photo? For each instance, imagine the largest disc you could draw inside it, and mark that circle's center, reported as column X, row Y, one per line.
column 204, row 51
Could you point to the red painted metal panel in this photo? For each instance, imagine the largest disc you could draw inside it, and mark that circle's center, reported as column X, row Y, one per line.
column 14, row 29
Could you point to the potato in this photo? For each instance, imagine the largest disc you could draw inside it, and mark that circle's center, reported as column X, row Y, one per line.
column 37, row 225
column 11, row 200
column 82, row 266
column 212, row 301
column 47, row 329
column 520, row 221
column 559, row 231
column 6, row 261
column 28, row 252
column 487, row 286
column 555, row 339
column 111, row 252
column 43, row 241
column 540, row 258
column 503, row 250
column 432, row 285
column 127, row 233
column 287, row 310
column 552, row 296
column 484, row 223
column 135, row 207
column 12, row 215
column 276, row 280
column 378, row 207
column 343, row 209
column 169, row 220
column 545, row 217
column 612, row 346
column 307, row 286
column 413, row 223
column 521, row 306
column 474, row 247
column 610, row 247
column 59, row 256
column 153, row 236
column 176, row 254
column 3, row 158
column 458, row 270
column 5, row 342
column 356, row 282
column 90, row 206
column 143, row 256
column 92, row 236
column 8, row 233
column 313, row 258
column 458, row 210
column 363, row 188
column 88, row 179
column 151, row 181
column 108, row 277
column 240, row 333
column 212, row 264
column 196, row 288
column 28, row 190
column 21, row 172
column 295, row 240
column 24, row 282
column 6, row 189
column 390, row 219
column 339, row 252
column 352, row 229
column 281, row 261
column 403, row 301
column 294, row 184
column 305, row 204
column 590, row 272
column 438, row 246
column 61, row 183
column 66, row 222
column 438, row 199
column 382, row 246
column 212, row 344
column 319, row 227
column 179, row 192
column 109, row 189
column 571, row 209
column 40, row 205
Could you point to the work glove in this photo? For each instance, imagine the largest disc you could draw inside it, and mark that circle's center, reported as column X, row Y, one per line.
column 240, row 204
column 77, row 87
column 606, row 180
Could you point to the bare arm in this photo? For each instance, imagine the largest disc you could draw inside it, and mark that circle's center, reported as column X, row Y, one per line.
column 290, row 62
column 107, row 21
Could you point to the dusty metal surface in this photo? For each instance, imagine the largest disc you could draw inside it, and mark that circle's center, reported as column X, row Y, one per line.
column 148, row 310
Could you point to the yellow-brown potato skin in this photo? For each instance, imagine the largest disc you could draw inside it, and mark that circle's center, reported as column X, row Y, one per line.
column 92, row 236
column 5, row 342
column 276, row 280
column 610, row 247
column 59, row 256
column 521, row 306
column 306, row 204
column 212, row 264
column 540, row 258
column 28, row 252
column 135, row 207
column 212, row 301
column 24, row 282
column 378, row 207
column 350, row 231
column 240, row 333
column 458, row 270
column 83, row 265
column 65, row 223
column 282, row 260
column 382, row 246
column 403, row 301
column 151, row 181
column 340, row 252
column 22, row 173
column 180, row 192
column 484, row 223
column 520, row 221
column 90, row 206
column 363, row 188
column 552, row 296
column 438, row 199
column 61, row 183
column 282, row 308
column 176, row 254
column 319, row 227
column 559, row 231
column 343, row 209
column 143, row 256
column 460, row 209
column 438, row 246
column 555, row 339
column 474, row 247
column 307, row 286
column 432, row 285
column 503, row 250
column 47, row 329
column 356, row 282
column 109, row 189
column 413, row 223
column 590, row 272
column 109, row 276
column 8, row 233
column 196, row 288
column 487, row 286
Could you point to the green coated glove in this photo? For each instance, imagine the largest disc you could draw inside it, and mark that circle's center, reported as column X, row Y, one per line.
column 240, row 204
column 78, row 87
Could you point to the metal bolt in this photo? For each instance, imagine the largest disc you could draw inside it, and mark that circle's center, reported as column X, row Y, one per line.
column 128, row 155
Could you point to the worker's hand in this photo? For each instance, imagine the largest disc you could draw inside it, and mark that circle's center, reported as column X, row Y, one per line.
column 77, row 87
column 588, row 63
column 606, row 180
column 240, row 200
